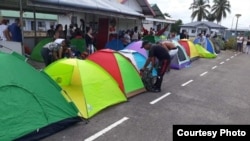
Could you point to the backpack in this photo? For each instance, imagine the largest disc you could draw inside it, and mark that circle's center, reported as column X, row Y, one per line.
column 148, row 79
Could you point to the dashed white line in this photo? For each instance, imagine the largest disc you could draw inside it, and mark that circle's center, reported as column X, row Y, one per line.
column 203, row 73
column 222, row 63
column 232, row 57
column 214, row 67
column 228, row 59
column 235, row 54
column 185, row 84
column 105, row 130
column 160, row 98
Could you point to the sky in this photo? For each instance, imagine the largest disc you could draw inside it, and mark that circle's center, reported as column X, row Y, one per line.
column 179, row 9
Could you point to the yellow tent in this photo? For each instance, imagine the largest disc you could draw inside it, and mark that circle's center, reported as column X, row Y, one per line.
column 88, row 85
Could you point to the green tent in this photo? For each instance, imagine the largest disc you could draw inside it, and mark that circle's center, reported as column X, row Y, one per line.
column 78, row 44
column 203, row 52
column 152, row 39
column 36, row 52
column 89, row 86
column 32, row 105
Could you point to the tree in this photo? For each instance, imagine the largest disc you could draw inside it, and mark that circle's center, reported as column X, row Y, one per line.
column 200, row 9
column 211, row 17
column 176, row 26
column 220, row 9
column 167, row 15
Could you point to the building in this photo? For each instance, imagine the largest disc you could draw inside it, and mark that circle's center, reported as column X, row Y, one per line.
column 158, row 20
column 43, row 21
column 231, row 32
column 210, row 28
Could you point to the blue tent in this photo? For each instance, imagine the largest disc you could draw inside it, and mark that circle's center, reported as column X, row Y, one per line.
column 115, row 44
column 209, row 45
column 137, row 59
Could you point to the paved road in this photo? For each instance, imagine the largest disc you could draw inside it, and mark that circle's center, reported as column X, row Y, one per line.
column 218, row 93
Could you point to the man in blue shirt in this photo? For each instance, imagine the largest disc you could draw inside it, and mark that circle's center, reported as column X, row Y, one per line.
column 13, row 32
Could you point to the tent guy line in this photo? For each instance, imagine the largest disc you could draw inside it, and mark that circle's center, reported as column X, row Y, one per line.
column 160, row 98
column 105, row 130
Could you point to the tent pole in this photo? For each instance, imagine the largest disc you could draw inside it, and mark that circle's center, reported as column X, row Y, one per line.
column 21, row 26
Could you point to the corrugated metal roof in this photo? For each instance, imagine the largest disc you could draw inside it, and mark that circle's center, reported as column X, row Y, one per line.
column 146, row 8
column 91, row 6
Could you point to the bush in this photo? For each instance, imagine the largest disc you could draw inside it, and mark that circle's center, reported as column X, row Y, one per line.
column 230, row 43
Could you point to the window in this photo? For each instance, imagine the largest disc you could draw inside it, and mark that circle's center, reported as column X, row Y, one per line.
column 193, row 31
column 32, row 25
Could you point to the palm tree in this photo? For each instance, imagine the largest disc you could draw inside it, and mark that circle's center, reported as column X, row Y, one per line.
column 200, row 10
column 220, row 9
column 211, row 17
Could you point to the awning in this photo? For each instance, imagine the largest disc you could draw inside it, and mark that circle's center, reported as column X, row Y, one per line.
column 160, row 20
column 102, row 7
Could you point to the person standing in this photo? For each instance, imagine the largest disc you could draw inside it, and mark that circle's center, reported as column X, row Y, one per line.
column 3, row 27
column 13, row 32
column 248, row 45
column 160, row 53
column 240, row 40
column 89, row 40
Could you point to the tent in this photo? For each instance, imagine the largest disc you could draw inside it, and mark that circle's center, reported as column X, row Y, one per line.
column 189, row 48
column 218, row 44
column 152, row 39
column 78, row 44
column 36, row 52
column 115, row 44
column 122, row 70
column 32, row 105
column 136, row 46
column 137, row 59
column 181, row 59
column 209, row 45
column 88, row 85
column 203, row 52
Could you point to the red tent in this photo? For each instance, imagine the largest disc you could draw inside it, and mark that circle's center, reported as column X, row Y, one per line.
column 122, row 70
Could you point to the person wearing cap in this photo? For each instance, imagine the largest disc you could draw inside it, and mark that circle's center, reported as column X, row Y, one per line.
column 52, row 51
column 160, row 53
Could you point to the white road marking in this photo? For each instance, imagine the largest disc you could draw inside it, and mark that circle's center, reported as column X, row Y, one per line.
column 214, row 67
column 160, row 98
column 232, row 57
column 222, row 63
column 203, row 73
column 185, row 84
column 228, row 59
column 105, row 130
column 235, row 54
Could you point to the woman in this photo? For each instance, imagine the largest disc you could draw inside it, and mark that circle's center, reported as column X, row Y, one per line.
column 59, row 32
column 89, row 40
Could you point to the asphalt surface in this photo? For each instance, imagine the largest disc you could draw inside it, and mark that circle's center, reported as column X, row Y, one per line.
column 218, row 93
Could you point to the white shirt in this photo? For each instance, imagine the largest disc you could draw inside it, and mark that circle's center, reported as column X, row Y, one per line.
column 2, row 29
